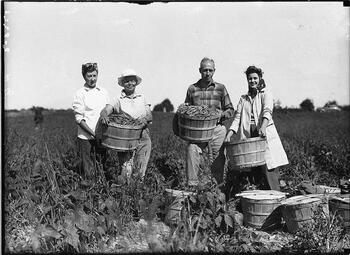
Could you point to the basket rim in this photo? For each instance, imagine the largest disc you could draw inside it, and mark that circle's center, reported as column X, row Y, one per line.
column 114, row 124
column 247, row 140
column 213, row 117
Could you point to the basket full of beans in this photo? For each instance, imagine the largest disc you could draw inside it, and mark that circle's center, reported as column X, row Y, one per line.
column 197, row 122
column 122, row 132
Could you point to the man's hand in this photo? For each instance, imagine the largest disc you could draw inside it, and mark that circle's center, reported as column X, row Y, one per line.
column 104, row 120
column 228, row 135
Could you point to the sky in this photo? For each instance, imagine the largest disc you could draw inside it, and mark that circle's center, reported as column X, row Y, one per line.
column 302, row 47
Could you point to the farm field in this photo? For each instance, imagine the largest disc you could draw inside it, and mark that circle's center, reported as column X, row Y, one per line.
column 48, row 209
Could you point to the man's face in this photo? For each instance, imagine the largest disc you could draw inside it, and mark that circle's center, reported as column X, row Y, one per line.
column 207, row 70
column 91, row 78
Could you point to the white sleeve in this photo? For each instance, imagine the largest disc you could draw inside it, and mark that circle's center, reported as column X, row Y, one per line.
column 115, row 103
column 78, row 106
column 146, row 101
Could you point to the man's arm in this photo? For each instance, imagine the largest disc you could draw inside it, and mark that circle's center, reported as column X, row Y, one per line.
column 226, row 104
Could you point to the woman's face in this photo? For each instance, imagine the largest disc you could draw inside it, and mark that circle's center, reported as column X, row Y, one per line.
column 253, row 80
column 129, row 84
column 91, row 78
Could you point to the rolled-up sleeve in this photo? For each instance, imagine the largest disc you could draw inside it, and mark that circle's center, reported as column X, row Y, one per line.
column 78, row 107
column 227, row 105
column 267, row 104
column 237, row 116
column 148, row 110
column 188, row 98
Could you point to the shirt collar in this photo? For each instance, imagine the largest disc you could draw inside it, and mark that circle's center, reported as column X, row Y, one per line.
column 212, row 83
column 259, row 91
column 87, row 88
column 123, row 95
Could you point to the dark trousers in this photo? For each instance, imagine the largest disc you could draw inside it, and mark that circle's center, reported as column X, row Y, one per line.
column 92, row 159
column 260, row 176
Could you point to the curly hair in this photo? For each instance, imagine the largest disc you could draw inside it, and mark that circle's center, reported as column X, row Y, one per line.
column 254, row 69
column 88, row 68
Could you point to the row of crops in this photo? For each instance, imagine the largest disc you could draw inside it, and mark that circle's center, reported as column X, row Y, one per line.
column 48, row 208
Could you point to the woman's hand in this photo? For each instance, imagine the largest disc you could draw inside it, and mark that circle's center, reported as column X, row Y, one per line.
column 228, row 135
column 143, row 121
column 104, row 117
column 262, row 131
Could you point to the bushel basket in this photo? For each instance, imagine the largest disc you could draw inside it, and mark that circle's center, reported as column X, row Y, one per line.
column 121, row 137
column 197, row 129
column 246, row 153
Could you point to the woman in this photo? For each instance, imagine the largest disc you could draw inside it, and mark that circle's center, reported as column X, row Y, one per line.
column 253, row 118
column 137, row 107
column 87, row 104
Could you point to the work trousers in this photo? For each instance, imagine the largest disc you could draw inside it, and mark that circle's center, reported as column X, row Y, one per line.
column 216, row 157
column 92, row 158
column 136, row 160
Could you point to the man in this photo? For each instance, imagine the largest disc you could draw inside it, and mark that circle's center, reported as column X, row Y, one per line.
column 38, row 116
column 213, row 94
column 87, row 105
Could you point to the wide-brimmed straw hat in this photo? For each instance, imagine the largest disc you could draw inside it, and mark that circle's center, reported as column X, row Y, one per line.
column 126, row 73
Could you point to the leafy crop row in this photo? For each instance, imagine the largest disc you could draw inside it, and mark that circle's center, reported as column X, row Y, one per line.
column 48, row 207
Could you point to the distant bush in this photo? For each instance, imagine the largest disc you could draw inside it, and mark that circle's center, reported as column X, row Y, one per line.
column 165, row 106
column 307, row 105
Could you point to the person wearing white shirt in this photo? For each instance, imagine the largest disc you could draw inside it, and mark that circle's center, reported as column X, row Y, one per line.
column 87, row 104
column 253, row 118
column 137, row 107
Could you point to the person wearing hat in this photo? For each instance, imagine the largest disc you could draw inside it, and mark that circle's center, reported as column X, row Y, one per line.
column 134, row 104
column 87, row 104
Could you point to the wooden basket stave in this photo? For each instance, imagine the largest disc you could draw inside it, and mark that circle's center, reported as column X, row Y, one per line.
column 197, row 129
column 121, row 137
column 246, row 153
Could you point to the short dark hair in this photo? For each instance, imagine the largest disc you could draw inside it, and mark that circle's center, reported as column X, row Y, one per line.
column 205, row 59
column 88, row 68
column 254, row 69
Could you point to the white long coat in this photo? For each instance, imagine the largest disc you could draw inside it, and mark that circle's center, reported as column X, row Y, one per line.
column 262, row 108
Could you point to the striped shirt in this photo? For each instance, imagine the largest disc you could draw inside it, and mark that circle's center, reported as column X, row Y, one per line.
column 215, row 95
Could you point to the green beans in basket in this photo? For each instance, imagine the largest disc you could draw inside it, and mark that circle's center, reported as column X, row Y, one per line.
column 124, row 119
column 202, row 111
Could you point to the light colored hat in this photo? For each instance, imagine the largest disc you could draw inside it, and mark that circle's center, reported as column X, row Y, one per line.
column 128, row 72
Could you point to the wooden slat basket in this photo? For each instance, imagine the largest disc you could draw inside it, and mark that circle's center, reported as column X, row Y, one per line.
column 173, row 211
column 121, row 137
column 197, row 129
column 341, row 205
column 261, row 208
column 246, row 153
column 298, row 211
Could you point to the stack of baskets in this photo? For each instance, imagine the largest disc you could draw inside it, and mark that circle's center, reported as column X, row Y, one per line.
column 263, row 209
